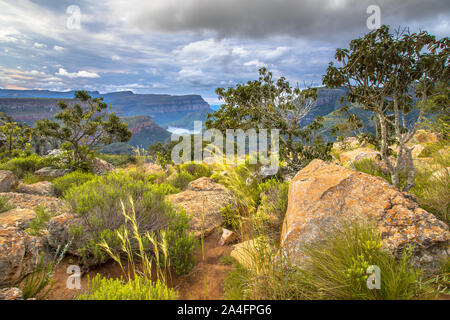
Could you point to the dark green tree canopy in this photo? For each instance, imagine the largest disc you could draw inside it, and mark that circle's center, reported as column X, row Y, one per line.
column 84, row 126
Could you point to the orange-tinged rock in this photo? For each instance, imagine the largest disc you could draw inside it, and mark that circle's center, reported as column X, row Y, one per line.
column 19, row 218
column 323, row 194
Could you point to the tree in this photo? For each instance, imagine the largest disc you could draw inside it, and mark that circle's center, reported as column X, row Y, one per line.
column 84, row 127
column 15, row 137
column 392, row 75
column 266, row 103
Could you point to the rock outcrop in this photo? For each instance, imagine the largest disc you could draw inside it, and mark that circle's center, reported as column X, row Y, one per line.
column 19, row 251
column 43, row 188
column 8, row 181
column 32, row 201
column 358, row 154
column 100, row 166
column 59, row 233
column 323, row 194
column 51, row 172
column 203, row 200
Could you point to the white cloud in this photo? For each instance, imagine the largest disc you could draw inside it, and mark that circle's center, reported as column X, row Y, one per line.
column 8, row 34
column 38, row 45
column 58, row 48
column 80, row 74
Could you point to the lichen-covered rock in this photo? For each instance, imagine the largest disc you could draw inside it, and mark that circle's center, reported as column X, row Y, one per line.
column 51, row 172
column 11, row 294
column 19, row 218
column 19, row 253
column 100, row 166
column 32, row 201
column 59, row 233
column 43, row 188
column 202, row 201
column 323, row 194
column 358, row 154
column 8, row 181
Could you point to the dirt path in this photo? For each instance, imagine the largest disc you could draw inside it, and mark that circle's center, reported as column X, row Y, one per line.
column 204, row 282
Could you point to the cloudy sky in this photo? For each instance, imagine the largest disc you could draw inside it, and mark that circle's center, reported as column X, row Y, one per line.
column 186, row 46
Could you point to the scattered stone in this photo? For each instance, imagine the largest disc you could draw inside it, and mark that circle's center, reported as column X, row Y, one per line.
column 43, row 188
column 8, row 181
column 227, row 237
column 323, row 194
column 11, row 294
column 100, row 166
column 202, row 201
column 51, row 172
column 19, row 218
column 358, row 154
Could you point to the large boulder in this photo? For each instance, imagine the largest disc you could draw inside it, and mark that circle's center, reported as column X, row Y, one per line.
column 8, row 181
column 19, row 218
column 203, row 200
column 43, row 188
column 358, row 154
column 51, row 172
column 323, row 194
column 100, row 166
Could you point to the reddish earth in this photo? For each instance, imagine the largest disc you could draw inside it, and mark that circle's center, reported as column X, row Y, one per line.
column 204, row 282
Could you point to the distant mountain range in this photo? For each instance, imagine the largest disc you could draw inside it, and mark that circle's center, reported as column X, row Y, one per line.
column 149, row 115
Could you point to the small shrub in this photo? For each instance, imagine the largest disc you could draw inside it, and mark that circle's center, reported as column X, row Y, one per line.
column 139, row 288
column 98, row 204
column 4, row 204
column 231, row 217
column 30, row 178
column 181, row 179
column 73, row 179
column 38, row 225
column 22, row 165
column 197, row 170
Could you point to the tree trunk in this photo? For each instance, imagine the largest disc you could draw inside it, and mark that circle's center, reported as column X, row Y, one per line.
column 411, row 170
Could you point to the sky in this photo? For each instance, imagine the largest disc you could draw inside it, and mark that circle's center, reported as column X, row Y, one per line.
column 187, row 46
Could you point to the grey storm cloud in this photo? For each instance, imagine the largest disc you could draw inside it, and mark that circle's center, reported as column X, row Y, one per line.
column 324, row 19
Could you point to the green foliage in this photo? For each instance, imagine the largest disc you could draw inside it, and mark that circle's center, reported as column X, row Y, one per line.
column 273, row 204
column 336, row 267
column 432, row 187
column 23, row 165
column 98, row 203
column 181, row 243
column 268, row 103
column 139, row 288
column 370, row 166
column 17, row 137
column 39, row 281
column 118, row 160
column 197, row 170
column 83, row 128
column 231, row 217
column 31, row 178
column 180, row 179
column 4, row 204
column 64, row 183
column 162, row 153
column 39, row 225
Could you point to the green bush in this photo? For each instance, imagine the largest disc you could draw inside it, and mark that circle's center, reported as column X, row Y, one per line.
column 118, row 160
column 180, row 179
column 273, row 203
column 38, row 225
column 22, row 165
column 139, row 288
column 30, row 178
column 197, row 170
column 231, row 217
column 64, row 183
column 100, row 201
